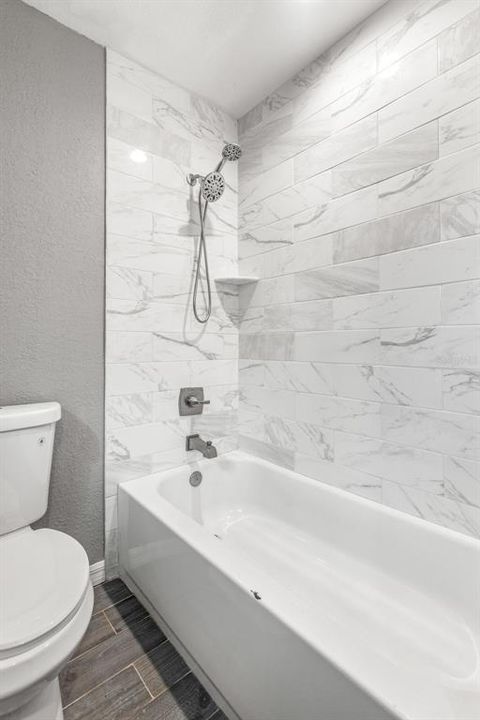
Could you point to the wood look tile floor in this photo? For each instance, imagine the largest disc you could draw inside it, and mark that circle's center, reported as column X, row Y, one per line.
column 125, row 668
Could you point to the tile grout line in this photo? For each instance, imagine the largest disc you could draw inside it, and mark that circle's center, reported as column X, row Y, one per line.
column 152, row 697
column 95, row 687
column 107, row 618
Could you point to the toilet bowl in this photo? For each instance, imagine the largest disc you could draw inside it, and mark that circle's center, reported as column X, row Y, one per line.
column 46, row 596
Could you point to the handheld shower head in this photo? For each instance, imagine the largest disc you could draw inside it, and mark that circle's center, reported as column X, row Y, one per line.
column 213, row 186
column 231, row 151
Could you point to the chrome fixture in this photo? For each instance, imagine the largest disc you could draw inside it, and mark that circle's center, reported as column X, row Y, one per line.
column 191, row 401
column 195, row 442
column 196, row 478
column 212, row 187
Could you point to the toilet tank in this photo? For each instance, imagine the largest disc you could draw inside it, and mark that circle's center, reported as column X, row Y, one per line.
column 26, row 447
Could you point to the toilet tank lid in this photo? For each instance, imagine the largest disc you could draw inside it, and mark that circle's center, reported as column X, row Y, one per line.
column 16, row 417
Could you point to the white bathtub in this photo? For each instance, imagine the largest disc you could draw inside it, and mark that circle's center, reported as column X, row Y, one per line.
column 302, row 602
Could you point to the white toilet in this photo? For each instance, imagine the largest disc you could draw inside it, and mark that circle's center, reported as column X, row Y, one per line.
column 46, row 596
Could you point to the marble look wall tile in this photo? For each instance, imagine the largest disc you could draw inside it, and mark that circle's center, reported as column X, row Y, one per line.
column 343, row 212
column 251, row 346
column 358, row 346
column 126, row 69
column 164, row 405
column 461, row 391
column 406, row 152
column 288, row 202
column 252, row 319
column 447, row 347
column 314, row 253
column 462, row 480
column 251, row 373
column 128, row 222
column 179, row 346
column 442, row 511
column 128, row 347
column 398, row 385
column 459, row 42
column 119, row 157
column 420, row 226
column 316, row 315
column 339, row 413
column 129, row 97
column 442, row 95
column 444, row 432
column 128, row 284
column 300, row 437
column 278, row 403
column 214, row 372
column 277, row 262
column 262, row 185
column 303, row 135
column 451, row 175
column 133, row 192
column 347, row 279
column 263, row 239
column 418, row 25
column 460, row 215
column 124, row 315
column 146, row 136
column 359, row 483
column 461, row 303
column 280, row 456
column 397, row 463
column 388, row 85
column 125, row 410
column 388, row 309
column 127, row 378
column 125, row 443
column 354, row 140
column 279, row 345
column 460, row 128
column 337, row 76
column 175, row 258
column 444, row 262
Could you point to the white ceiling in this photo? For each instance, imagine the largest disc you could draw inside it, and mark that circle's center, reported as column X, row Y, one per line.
column 233, row 52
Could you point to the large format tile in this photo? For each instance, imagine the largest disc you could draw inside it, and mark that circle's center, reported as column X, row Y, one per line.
column 186, row 700
column 420, row 226
column 444, row 262
column 460, row 41
column 442, row 95
column 348, row 279
column 356, row 139
column 433, row 508
column 109, row 593
column 442, row 347
column 389, row 159
column 119, row 698
column 418, row 24
column 109, row 657
column 402, row 308
column 392, row 83
column 161, row 668
column 451, row 175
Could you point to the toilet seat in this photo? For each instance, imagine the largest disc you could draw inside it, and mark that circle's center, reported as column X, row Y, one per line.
column 44, row 576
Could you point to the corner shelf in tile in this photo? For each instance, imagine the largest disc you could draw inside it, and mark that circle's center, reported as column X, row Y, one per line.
column 238, row 280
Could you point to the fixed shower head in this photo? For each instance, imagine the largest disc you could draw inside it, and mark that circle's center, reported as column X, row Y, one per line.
column 213, row 186
column 231, row 151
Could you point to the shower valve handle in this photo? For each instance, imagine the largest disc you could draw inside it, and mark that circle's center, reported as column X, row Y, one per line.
column 193, row 401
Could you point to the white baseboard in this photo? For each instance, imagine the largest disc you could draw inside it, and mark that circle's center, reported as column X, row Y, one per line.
column 97, row 572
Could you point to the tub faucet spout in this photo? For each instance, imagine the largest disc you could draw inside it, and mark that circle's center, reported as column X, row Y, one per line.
column 195, row 442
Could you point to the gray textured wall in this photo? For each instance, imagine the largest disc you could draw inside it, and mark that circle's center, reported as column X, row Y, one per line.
column 52, row 130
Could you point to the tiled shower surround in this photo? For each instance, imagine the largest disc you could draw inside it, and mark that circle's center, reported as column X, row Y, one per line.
column 360, row 211
column 154, row 347
column 359, row 204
